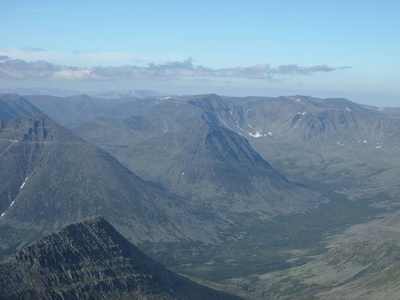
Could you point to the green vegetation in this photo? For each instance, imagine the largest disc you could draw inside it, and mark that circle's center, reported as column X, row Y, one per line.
column 262, row 247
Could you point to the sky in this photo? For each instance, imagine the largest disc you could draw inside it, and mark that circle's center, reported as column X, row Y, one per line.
column 329, row 48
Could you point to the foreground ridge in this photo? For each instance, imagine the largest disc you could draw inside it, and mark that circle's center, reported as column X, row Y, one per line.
column 91, row 260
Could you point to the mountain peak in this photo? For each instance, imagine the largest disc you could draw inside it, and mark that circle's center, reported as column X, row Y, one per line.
column 13, row 105
column 213, row 141
column 91, row 259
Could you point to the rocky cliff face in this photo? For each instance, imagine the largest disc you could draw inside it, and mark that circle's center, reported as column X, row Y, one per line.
column 91, row 260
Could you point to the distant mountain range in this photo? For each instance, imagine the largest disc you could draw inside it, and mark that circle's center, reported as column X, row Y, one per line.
column 74, row 110
column 39, row 91
column 333, row 141
column 126, row 93
column 91, row 260
column 68, row 93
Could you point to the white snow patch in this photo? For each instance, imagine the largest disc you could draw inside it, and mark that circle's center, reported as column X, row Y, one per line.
column 183, row 173
column 377, row 147
column 24, row 182
column 365, row 142
column 225, row 123
column 2, row 215
column 257, row 135
column 237, row 125
column 332, row 246
column 269, row 133
column 12, row 203
column 165, row 98
column 249, row 125
column 348, row 109
column 15, row 141
column 230, row 112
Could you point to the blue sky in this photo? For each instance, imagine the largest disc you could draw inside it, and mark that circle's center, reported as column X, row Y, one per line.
column 319, row 48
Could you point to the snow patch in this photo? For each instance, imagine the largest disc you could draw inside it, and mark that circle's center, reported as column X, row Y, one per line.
column 183, row 173
column 12, row 203
column 23, row 183
column 257, row 135
column 166, row 98
column 225, row 123
column 348, row 109
column 2, row 215
column 377, row 147
column 237, row 125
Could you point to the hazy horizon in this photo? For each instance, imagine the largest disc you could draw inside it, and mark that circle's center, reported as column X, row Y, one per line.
column 238, row 48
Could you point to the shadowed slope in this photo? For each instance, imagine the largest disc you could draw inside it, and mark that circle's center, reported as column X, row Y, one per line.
column 90, row 259
column 52, row 178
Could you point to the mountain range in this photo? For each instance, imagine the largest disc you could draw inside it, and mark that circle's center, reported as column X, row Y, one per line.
column 207, row 164
column 351, row 147
column 52, row 178
column 74, row 110
column 254, row 194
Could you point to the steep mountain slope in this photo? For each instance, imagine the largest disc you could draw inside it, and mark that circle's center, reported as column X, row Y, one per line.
column 74, row 110
column 174, row 114
column 215, row 167
column 336, row 141
column 53, row 178
column 12, row 105
column 91, row 260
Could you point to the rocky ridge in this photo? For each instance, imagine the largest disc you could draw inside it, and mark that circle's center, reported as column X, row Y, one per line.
column 91, row 260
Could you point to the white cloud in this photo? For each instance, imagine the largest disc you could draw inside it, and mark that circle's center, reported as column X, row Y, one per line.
column 75, row 75
column 21, row 69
